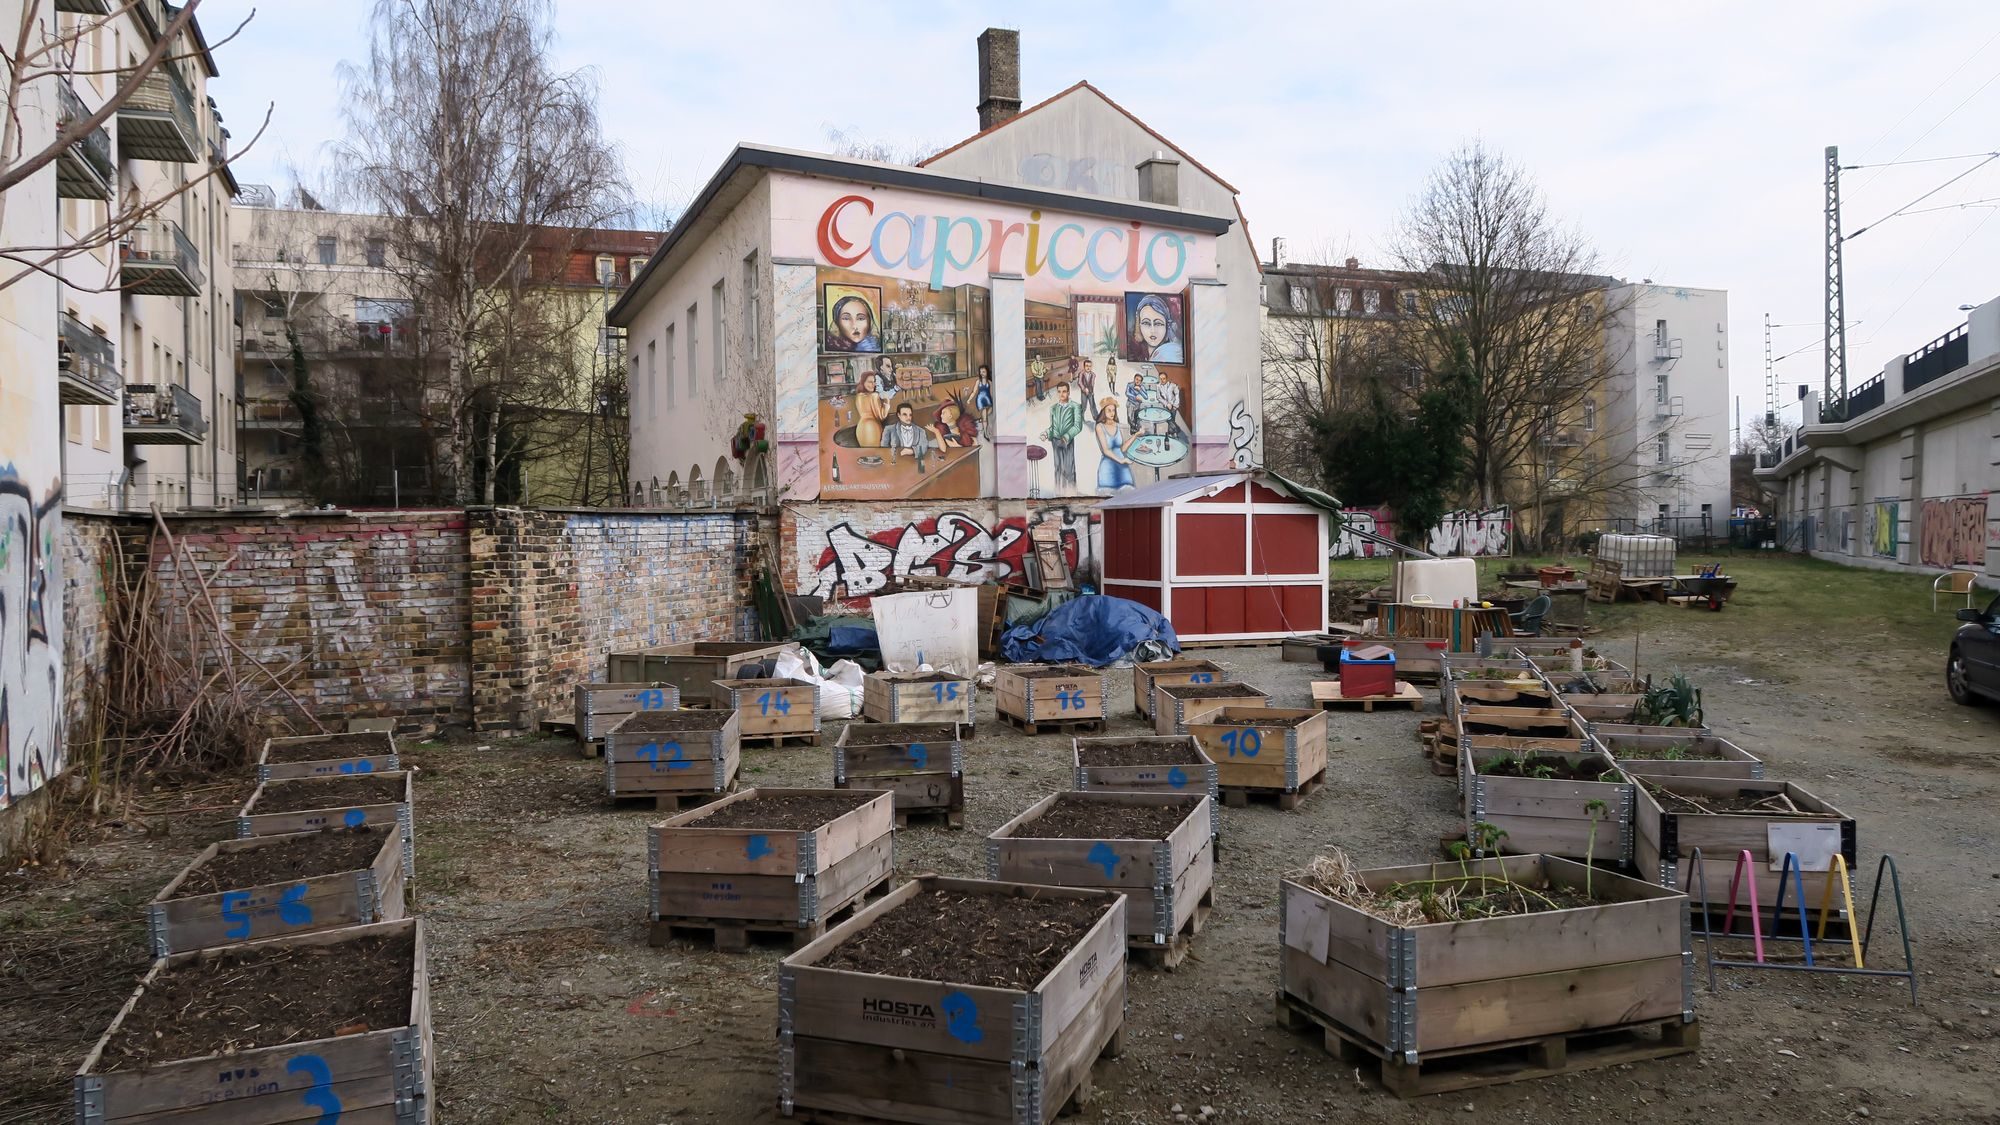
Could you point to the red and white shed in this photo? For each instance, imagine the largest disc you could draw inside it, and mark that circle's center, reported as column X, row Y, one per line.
column 1224, row 556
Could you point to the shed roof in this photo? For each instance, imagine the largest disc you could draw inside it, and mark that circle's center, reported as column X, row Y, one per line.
column 1164, row 492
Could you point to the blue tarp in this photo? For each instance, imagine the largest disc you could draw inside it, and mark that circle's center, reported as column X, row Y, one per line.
column 1095, row 630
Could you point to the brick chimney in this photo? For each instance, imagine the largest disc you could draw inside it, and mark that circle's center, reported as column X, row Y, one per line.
column 1160, row 180
column 999, row 76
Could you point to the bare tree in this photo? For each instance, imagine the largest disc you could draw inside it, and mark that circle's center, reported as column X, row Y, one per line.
column 1766, row 433
column 42, row 55
column 1316, row 369
column 851, row 141
column 471, row 146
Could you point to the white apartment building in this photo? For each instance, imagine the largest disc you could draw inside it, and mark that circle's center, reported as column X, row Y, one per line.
column 1668, row 405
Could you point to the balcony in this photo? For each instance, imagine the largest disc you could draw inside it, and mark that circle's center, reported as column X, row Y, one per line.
column 1666, row 351
column 268, row 414
column 157, row 121
column 86, row 365
column 331, row 337
column 163, row 415
column 157, row 260
column 86, row 169
column 1938, row 358
column 84, row 7
column 1563, row 437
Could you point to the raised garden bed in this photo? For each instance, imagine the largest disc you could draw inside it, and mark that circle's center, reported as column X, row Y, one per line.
column 1547, row 801
column 1725, row 817
column 672, row 756
column 772, row 711
column 268, row 886
column 1150, row 675
column 312, row 1027
column 1604, row 708
column 1606, row 730
column 767, row 861
column 1060, row 696
column 276, row 808
column 920, row 697
column 1176, row 705
column 1524, row 690
column 693, row 667
column 954, row 1001
column 600, row 706
column 923, row 764
column 1277, row 751
column 327, row 755
column 1568, row 966
column 1173, row 763
column 1155, row 848
column 1676, row 755
column 1519, row 722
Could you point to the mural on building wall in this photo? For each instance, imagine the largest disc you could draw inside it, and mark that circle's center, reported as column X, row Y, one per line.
column 1105, row 411
column 1883, row 515
column 1953, row 532
column 1467, row 533
column 31, row 728
column 839, row 559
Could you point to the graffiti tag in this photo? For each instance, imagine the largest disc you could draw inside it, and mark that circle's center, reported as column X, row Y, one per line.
column 1466, row 533
column 1954, row 532
column 954, row 546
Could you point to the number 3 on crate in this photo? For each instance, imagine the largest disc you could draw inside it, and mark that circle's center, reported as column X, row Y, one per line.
column 667, row 754
column 1246, row 742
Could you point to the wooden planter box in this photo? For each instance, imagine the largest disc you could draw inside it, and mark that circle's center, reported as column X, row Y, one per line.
column 1606, row 707
column 600, row 706
column 672, row 755
column 1150, row 675
column 1646, row 755
column 355, row 752
column 925, row 772
column 938, row 1053
column 1525, row 690
column 1665, row 840
column 730, row 882
column 1520, row 722
column 1053, row 695
column 692, row 668
column 1608, row 730
column 1549, row 815
column 336, row 813
column 382, row 1074
column 1283, row 753
column 1415, row 997
column 772, row 711
column 1168, row 882
column 1175, row 706
column 371, row 893
column 920, row 697
column 1181, row 767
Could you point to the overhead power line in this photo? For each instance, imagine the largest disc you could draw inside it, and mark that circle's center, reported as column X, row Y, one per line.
column 1859, row 231
column 1942, row 83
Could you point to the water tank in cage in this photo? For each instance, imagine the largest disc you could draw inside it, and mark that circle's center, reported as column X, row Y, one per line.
column 1640, row 556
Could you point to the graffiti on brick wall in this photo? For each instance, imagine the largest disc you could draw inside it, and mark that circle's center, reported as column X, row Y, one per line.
column 1882, row 518
column 1466, row 533
column 854, row 562
column 1953, row 532
column 31, row 744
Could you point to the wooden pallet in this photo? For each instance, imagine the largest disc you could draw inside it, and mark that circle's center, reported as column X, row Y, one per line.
column 1169, row 956
column 1494, row 1064
column 1240, row 796
column 944, row 817
column 1076, row 1103
column 778, row 741
column 1327, row 696
column 1079, row 726
column 729, row 935
column 1441, row 750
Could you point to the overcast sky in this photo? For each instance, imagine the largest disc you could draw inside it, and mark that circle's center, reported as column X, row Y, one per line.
column 1685, row 139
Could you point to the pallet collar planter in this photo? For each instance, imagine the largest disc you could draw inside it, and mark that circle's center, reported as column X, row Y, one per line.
column 1150, row 675
column 599, row 707
column 1176, row 705
column 925, row 772
column 692, row 667
column 772, row 711
column 1664, row 842
column 1058, row 695
column 1706, row 755
column 1272, row 751
column 351, row 753
column 1182, row 766
column 920, row 697
column 1552, row 816
column 336, row 813
column 672, row 756
column 178, row 923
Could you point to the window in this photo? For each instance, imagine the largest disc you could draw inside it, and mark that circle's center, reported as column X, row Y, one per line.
column 653, row 375
column 1371, row 302
column 694, row 344
column 329, row 250
column 1343, row 300
column 753, row 341
column 669, row 383
column 607, row 269
column 1410, row 301
column 1660, row 450
column 638, row 267
column 1589, row 416
column 1659, row 388
column 715, row 335
column 1300, row 299
column 607, row 340
column 1663, row 513
column 377, row 252
column 1660, row 333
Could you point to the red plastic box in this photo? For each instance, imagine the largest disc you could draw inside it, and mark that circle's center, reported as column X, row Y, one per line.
column 1370, row 675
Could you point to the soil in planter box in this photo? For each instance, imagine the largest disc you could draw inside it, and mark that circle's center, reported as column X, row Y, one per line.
column 1755, row 804
column 1057, row 672
column 871, row 734
column 342, row 793
column 267, row 998
column 1247, row 721
column 1210, row 691
column 667, row 722
column 340, row 746
column 1139, row 752
column 1682, row 753
column 326, row 852
column 1540, row 767
column 988, row 941
column 783, row 812
column 1074, row 817
column 929, row 678
column 1446, row 896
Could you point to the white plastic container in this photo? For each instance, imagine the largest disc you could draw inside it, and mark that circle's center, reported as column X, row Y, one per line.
column 934, row 628
column 1640, row 556
column 1446, row 582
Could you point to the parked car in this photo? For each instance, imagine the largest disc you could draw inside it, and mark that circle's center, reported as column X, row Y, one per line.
column 1972, row 674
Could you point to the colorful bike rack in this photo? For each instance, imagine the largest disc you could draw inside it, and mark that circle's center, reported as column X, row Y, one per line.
column 1791, row 877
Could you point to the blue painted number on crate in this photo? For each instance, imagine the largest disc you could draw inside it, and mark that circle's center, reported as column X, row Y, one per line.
column 652, row 699
column 292, row 908
column 1245, row 742
column 1201, row 678
column 354, row 818
column 1176, row 778
column 232, row 913
column 1104, row 857
column 668, row 754
column 919, row 756
column 773, row 701
column 945, row 690
column 757, row 847
column 1070, row 697
column 361, row 766
column 961, row 1017
column 319, row 1095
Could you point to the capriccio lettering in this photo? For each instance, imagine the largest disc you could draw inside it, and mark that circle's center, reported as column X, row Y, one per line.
column 939, row 244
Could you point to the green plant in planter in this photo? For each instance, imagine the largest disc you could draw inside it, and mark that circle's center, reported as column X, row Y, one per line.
column 1676, row 703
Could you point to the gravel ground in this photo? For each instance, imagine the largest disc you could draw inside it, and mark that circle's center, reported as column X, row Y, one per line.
column 550, row 1006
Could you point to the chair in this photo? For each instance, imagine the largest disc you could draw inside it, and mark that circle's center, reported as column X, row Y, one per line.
column 1528, row 620
column 1952, row 583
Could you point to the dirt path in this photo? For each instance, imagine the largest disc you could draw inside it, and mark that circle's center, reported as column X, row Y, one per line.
column 551, row 1007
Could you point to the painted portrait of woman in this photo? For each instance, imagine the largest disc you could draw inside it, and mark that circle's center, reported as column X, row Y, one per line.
column 871, row 409
column 1155, row 328
column 1114, row 469
column 851, row 322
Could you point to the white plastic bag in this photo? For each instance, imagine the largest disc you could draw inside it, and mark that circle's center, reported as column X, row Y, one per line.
column 839, row 686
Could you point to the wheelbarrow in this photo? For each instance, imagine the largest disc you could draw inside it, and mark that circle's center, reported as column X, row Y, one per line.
column 1708, row 585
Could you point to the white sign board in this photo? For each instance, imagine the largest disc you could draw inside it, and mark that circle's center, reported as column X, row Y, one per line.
column 935, row 627
column 1815, row 843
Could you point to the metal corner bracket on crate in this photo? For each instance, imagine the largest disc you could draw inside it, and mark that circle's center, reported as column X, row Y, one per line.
column 1027, row 1077
column 1163, row 892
